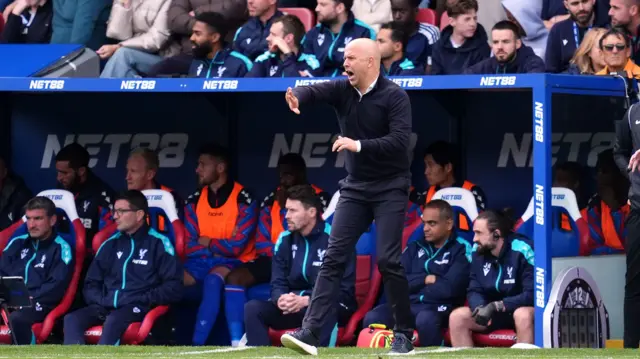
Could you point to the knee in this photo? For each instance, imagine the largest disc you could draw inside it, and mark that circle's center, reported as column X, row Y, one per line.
column 17, row 318
column 460, row 317
column 427, row 320
column 213, row 280
column 523, row 317
column 385, row 264
column 370, row 318
column 252, row 310
column 122, row 54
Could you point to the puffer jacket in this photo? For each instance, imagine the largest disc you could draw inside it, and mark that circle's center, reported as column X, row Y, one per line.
column 143, row 25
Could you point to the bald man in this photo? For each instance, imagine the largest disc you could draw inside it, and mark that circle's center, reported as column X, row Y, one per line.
column 376, row 187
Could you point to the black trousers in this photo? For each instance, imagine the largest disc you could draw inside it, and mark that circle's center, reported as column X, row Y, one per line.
column 22, row 320
column 632, row 281
column 359, row 204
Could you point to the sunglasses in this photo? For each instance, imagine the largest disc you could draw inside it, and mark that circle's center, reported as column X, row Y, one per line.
column 619, row 47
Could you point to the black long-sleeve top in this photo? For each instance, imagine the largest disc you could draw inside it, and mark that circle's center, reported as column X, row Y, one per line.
column 625, row 145
column 380, row 120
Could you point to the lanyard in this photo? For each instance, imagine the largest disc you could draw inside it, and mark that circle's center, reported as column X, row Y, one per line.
column 27, row 23
column 575, row 34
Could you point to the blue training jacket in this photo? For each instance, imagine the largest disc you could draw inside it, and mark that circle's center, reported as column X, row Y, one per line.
column 251, row 38
column 297, row 261
column 46, row 266
column 270, row 64
column 140, row 270
column 225, row 64
column 323, row 50
column 404, row 67
column 450, row 265
column 508, row 278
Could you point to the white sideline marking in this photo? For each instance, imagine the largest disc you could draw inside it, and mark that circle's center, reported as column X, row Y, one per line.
column 440, row 350
column 221, row 350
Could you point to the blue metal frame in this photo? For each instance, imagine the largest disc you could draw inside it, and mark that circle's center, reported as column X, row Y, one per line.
column 542, row 86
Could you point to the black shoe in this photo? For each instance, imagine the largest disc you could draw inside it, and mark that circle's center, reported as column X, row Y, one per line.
column 401, row 345
column 302, row 340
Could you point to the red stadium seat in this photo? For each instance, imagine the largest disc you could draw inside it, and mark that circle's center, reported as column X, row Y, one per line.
column 138, row 332
column 368, row 282
column 444, row 21
column 65, row 203
column 428, row 16
column 305, row 15
column 1, row 23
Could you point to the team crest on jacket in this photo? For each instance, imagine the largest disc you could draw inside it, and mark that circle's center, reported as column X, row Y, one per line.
column 273, row 70
column 320, row 39
column 486, row 268
column 199, row 70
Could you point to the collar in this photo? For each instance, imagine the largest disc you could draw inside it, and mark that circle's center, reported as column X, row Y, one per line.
column 632, row 70
column 141, row 233
column 45, row 242
column 317, row 229
column 451, row 239
column 276, row 15
column 369, row 89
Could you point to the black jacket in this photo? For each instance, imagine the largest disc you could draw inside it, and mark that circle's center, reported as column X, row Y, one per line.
column 448, row 60
column 384, row 136
column 14, row 194
column 627, row 142
column 525, row 62
column 18, row 30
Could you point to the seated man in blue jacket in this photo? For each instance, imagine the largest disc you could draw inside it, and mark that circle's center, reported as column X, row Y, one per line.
column 283, row 57
column 212, row 57
column 511, row 56
column 438, row 272
column 132, row 272
column 323, row 46
column 500, row 292
column 297, row 258
column 392, row 41
column 44, row 260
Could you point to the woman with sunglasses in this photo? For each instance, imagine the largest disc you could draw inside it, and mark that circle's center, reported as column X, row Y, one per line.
column 588, row 58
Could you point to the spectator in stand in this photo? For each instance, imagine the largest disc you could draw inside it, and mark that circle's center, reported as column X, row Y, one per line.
column 212, row 56
column 626, row 14
column 294, row 276
column 80, row 22
column 526, row 14
column 608, row 209
column 422, row 36
column 392, row 40
column 616, row 47
column 221, row 219
column 28, row 22
column 251, row 38
column 283, row 58
column 118, row 290
column 588, row 58
column 14, row 194
column 181, row 18
column 490, row 12
column 569, row 175
column 142, row 168
column 272, row 222
column 323, row 46
column 463, row 42
column 142, row 29
column 565, row 37
column 437, row 268
column 510, row 55
column 372, row 12
column 45, row 260
column 555, row 11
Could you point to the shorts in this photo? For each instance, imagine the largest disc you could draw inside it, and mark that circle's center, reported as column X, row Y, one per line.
column 199, row 268
column 260, row 269
column 502, row 321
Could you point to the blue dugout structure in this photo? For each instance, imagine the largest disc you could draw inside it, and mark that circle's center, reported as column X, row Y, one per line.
column 503, row 123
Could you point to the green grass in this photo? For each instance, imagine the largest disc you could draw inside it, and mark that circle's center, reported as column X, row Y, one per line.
column 102, row 352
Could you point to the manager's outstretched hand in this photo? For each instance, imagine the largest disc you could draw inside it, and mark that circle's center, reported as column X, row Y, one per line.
column 292, row 101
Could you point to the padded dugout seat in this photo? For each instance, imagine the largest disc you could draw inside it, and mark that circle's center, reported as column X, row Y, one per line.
column 161, row 205
column 65, row 207
column 569, row 231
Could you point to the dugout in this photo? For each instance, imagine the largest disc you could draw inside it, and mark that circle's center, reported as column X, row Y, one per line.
column 492, row 117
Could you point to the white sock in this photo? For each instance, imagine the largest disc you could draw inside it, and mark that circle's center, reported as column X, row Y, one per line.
column 235, row 343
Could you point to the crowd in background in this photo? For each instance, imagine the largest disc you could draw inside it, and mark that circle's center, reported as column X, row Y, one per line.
column 291, row 38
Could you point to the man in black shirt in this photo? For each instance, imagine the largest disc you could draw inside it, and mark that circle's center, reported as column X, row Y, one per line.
column 374, row 115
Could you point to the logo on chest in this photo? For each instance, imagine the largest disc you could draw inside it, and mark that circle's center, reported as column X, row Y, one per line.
column 294, row 249
column 41, row 264
column 444, row 260
column 510, row 280
column 24, row 253
column 320, row 39
column 215, row 214
column 321, row 253
column 486, row 269
column 141, row 260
